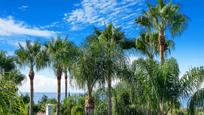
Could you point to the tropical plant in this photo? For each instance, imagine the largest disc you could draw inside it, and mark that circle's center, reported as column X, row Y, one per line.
column 78, row 109
column 59, row 50
column 11, row 103
column 73, row 105
column 6, row 62
column 191, row 82
column 88, row 69
column 112, row 55
column 33, row 56
column 100, row 99
column 161, row 86
column 8, row 69
column 196, row 101
column 122, row 99
column 25, row 98
column 147, row 44
column 71, row 56
column 160, row 82
column 67, row 105
column 163, row 18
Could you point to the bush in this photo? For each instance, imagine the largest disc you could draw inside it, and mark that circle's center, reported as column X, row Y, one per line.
column 73, row 106
column 101, row 109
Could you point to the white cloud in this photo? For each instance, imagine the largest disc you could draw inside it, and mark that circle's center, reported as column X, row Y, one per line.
column 101, row 12
column 10, row 27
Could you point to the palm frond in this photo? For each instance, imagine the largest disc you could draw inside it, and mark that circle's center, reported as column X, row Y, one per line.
column 191, row 80
column 196, row 101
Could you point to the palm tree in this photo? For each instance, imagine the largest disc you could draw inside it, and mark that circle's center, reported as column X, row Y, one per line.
column 7, row 63
column 190, row 86
column 195, row 101
column 33, row 56
column 59, row 50
column 110, row 41
column 88, row 69
column 163, row 18
column 9, row 69
column 159, row 82
column 147, row 44
column 71, row 55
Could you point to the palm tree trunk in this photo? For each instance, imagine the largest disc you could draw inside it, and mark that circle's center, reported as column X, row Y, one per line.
column 109, row 96
column 59, row 73
column 31, row 76
column 161, row 107
column 162, row 45
column 65, row 73
column 89, row 102
column 148, row 106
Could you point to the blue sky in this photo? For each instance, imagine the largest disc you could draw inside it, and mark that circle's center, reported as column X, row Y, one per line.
column 41, row 20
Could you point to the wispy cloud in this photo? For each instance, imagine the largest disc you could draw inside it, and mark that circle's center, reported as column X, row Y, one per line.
column 23, row 7
column 102, row 12
column 11, row 27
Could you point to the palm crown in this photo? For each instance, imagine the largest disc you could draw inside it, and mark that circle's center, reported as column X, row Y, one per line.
column 32, row 55
column 163, row 17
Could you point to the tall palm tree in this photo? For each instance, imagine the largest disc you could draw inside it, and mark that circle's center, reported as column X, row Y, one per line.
column 147, row 44
column 59, row 50
column 71, row 55
column 110, row 39
column 33, row 56
column 163, row 18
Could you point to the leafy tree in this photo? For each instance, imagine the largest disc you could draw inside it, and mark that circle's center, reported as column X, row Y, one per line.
column 42, row 103
column 33, row 56
column 25, row 98
column 67, row 105
column 11, row 103
column 7, row 62
column 78, row 109
column 73, row 105
column 9, row 70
